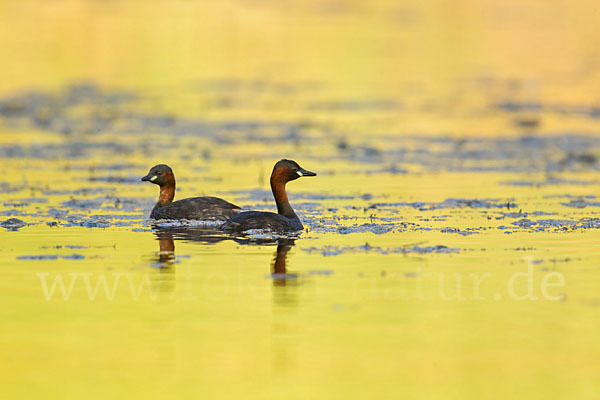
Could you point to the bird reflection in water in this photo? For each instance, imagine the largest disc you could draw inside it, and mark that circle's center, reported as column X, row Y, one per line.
column 285, row 301
column 279, row 271
column 284, row 288
column 164, row 282
column 166, row 254
column 167, row 236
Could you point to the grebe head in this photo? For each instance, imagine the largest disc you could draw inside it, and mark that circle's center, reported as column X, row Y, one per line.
column 160, row 175
column 288, row 170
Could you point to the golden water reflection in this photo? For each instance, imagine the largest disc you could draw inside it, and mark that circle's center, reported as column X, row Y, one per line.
column 426, row 118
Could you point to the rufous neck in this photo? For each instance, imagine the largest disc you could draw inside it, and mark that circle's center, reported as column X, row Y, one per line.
column 167, row 190
column 283, row 205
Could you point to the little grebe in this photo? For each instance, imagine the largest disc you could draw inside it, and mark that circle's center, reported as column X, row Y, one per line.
column 286, row 219
column 193, row 208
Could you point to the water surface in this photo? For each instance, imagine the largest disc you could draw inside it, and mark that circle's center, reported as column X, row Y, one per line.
column 451, row 242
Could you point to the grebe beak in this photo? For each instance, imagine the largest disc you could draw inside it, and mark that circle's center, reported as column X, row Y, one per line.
column 303, row 172
column 149, row 178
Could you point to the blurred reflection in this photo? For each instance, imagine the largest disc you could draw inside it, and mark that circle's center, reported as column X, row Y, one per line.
column 285, row 282
column 284, row 289
column 285, row 299
column 279, row 273
column 278, row 266
column 164, row 282
column 166, row 249
column 167, row 236
column 193, row 234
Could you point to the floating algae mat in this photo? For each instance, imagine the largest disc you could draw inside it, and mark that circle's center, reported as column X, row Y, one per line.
column 451, row 242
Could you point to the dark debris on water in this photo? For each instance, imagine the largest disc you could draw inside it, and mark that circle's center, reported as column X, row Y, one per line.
column 13, row 224
column 449, row 204
column 50, row 257
column 557, row 225
column 366, row 248
column 88, row 109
